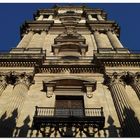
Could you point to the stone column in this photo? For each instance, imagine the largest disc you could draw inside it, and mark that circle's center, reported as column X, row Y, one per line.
column 34, row 43
column 135, row 82
column 98, row 39
column 25, row 40
column 114, row 40
column 3, row 83
column 100, row 17
column 40, row 17
column 50, row 17
column 12, row 110
column 126, row 115
column 18, row 95
column 42, row 39
column 90, row 17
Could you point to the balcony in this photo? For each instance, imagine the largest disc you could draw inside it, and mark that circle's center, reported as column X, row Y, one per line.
column 45, row 116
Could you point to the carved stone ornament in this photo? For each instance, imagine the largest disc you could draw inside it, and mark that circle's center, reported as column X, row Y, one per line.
column 90, row 87
column 49, row 92
column 134, row 77
column 115, row 78
column 69, row 33
column 24, row 78
column 49, row 88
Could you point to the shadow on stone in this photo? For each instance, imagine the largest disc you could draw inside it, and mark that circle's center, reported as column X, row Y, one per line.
column 131, row 125
column 112, row 128
column 23, row 130
column 8, row 125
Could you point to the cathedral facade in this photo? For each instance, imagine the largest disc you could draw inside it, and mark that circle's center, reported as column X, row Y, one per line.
column 70, row 76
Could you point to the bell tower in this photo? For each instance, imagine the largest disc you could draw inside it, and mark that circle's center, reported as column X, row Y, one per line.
column 69, row 76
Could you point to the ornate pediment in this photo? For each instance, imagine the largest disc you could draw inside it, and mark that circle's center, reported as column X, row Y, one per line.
column 70, row 34
column 69, row 42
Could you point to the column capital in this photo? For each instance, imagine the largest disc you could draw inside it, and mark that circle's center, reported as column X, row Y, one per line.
column 44, row 31
column 109, row 30
column 29, row 31
column 24, row 78
column 134, row 77
column 95, row 30
column 115, row 78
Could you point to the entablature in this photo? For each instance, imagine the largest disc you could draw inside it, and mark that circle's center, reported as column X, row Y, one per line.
column 21, row 57
column 118, row 59
column 44, row 12
column 70, row 69
column 103, row 26
column 88, row 11
column 69, row 14
column 35, row 26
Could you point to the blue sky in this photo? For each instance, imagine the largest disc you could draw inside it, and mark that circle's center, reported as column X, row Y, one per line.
column 13, row 15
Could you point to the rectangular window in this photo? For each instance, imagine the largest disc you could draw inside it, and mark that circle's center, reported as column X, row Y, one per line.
column 69, row 106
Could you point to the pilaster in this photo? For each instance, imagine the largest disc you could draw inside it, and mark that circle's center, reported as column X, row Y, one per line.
column 100, row 18
column 40, row 17
column 98, row 39
column 18, row 95
column 25, row 40
column 126, row 115
column 3, row 83
column 135, row 82
column 114, row 40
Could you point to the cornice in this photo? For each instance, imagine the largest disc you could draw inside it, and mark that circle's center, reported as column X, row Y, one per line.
column 35, row 26
column 103, row 26
column 22, row 57
column 118, row 56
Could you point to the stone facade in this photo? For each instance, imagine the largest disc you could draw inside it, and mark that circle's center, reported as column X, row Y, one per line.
column 69, row 76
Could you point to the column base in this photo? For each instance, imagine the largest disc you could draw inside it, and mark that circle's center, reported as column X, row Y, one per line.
column 106, row 50
column 121, row 50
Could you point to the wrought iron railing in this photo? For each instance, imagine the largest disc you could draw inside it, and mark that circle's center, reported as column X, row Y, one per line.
column 68, row 112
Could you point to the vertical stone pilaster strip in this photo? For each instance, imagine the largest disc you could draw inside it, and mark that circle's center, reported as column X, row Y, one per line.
column 98, row 39
column 37, row 40
column 40, row 17
column 18, row 95
column 50, row 17
column 13, row 108
column 135, row 83
column 90, row 17
column 17, row 99
column 34, row 43
column 123, row 107
column 42, row 39
column 136, row 87
column 114, row 40
column 3, row 83
column 100, row 18
column 25, row 40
